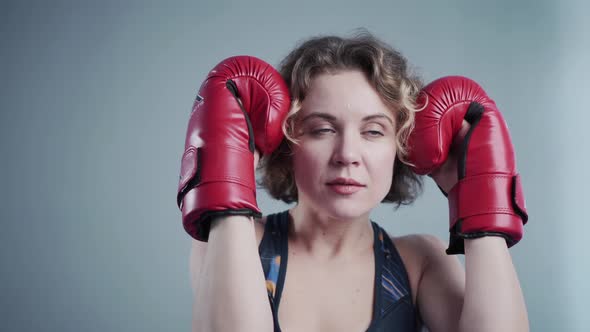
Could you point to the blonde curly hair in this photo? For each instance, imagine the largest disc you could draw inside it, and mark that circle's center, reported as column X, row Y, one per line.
column 386, row 70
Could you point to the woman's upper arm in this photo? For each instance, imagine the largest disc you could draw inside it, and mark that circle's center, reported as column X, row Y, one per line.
column 442, row 286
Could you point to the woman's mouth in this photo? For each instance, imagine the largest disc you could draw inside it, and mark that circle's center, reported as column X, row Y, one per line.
column 345, row 186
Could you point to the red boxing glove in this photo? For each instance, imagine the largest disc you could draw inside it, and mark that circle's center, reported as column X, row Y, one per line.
column 488, row 198
column 240, row 106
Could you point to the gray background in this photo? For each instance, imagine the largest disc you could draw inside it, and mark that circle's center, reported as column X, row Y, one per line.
column 95, row 99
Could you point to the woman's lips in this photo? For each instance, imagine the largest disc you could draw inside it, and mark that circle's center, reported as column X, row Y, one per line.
column 344, row 189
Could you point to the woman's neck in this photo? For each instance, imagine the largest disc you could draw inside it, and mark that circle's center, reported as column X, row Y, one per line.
column 325, row 237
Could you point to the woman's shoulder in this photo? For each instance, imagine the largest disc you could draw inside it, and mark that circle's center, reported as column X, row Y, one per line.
column 415, row 251
column 419, row 245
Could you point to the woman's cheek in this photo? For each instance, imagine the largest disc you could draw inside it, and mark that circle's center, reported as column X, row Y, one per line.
column 384, row 156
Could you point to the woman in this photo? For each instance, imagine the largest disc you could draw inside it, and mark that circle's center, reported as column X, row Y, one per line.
column 346, row 149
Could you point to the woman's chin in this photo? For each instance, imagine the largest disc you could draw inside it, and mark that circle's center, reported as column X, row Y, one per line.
column 340, row 207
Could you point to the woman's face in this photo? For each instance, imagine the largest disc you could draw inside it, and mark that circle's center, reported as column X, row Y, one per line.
column 343, row 166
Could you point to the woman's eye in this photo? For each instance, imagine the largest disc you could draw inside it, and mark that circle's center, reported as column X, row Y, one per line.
column 374, row 133
column 322, row 131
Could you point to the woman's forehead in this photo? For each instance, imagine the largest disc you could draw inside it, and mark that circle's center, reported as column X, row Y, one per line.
column 343, row 92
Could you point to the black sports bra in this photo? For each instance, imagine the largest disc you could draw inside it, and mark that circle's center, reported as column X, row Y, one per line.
column 393, row 309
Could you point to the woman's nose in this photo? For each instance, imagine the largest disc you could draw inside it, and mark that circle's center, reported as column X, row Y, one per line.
column 347, row 150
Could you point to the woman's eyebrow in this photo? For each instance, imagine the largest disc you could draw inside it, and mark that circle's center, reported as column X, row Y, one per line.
column 377, row 116
column 320, row 115
column 330, row 117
